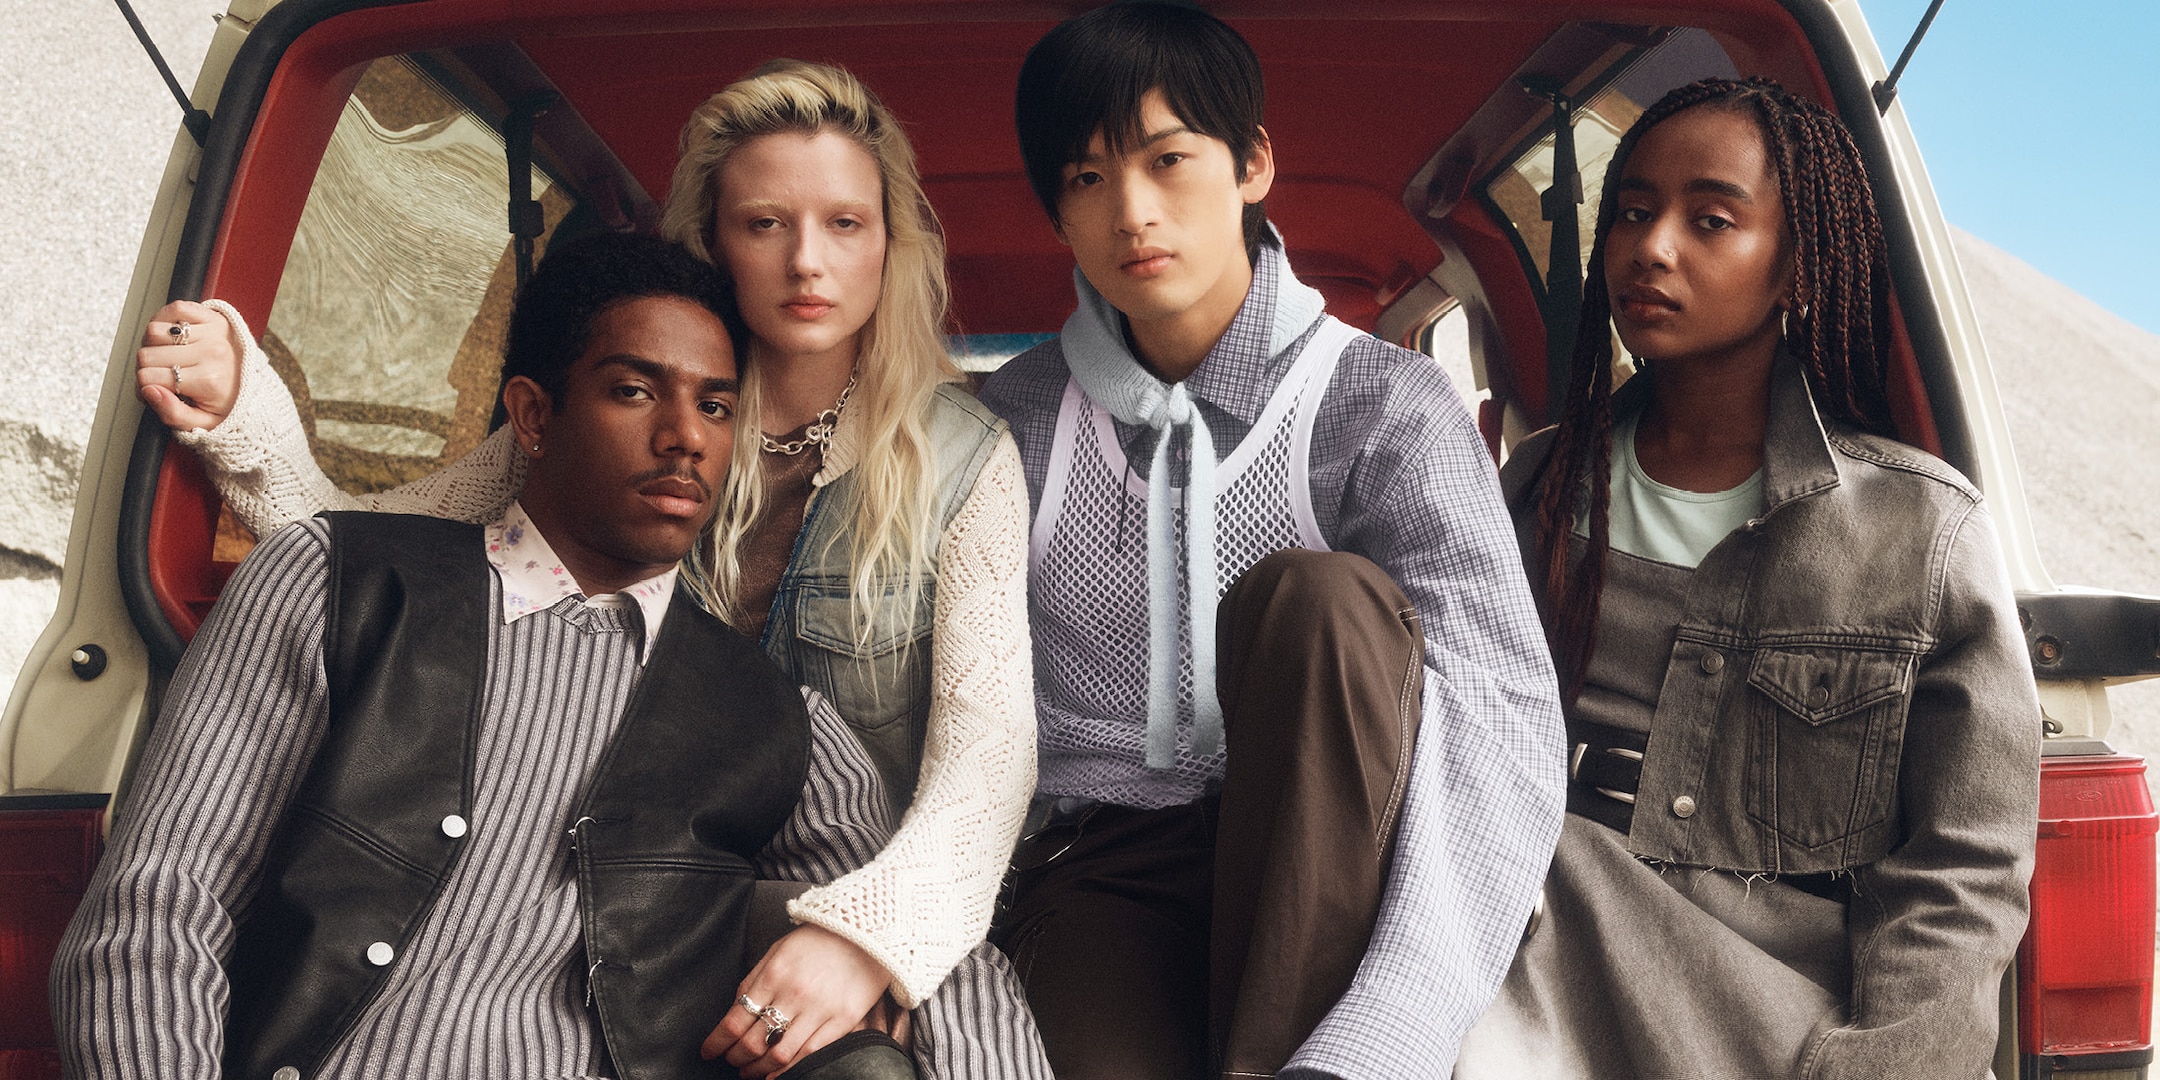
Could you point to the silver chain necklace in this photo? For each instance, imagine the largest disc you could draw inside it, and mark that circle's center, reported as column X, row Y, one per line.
column 820, row 430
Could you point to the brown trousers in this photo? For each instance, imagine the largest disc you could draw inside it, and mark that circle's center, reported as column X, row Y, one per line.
column 1209, row 939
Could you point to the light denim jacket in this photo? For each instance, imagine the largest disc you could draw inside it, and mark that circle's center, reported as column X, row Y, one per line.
column 1848, row 690
column 881, row 685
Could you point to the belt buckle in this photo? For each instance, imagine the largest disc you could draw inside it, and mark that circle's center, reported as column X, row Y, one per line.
column 1575, row 760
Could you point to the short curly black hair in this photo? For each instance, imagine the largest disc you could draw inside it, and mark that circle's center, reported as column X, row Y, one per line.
column 581, row 278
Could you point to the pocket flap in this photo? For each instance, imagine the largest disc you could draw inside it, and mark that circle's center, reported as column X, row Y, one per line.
column 1822, row 684
column 826, row 618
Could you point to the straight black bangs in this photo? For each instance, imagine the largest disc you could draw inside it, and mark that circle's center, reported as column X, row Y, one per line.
column 1091, row 73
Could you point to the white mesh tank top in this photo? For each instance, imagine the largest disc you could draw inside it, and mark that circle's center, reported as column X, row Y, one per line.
column 1087, row 582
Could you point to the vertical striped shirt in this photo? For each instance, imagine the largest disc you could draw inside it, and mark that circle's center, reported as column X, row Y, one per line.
column 493, row 982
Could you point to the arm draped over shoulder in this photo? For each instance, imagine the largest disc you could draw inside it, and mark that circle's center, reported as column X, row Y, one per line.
column 260, row 461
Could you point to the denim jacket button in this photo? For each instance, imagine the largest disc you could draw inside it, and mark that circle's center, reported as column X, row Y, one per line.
column 1713, row 662
column 1684, row 806
column 1818, row 697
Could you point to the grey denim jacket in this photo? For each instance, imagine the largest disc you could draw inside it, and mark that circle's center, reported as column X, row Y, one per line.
column 1848, row 691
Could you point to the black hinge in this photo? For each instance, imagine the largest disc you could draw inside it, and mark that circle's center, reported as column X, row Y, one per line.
column 526, row 219
column 1561, row 302
column 2091, row 635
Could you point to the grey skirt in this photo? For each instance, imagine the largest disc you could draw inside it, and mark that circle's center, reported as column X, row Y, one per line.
column 1662, row 973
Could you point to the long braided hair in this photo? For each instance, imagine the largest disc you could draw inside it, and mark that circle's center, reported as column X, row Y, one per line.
column 1838, row 331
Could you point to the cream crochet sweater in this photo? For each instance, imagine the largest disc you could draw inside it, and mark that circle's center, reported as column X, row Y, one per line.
column 927, row 898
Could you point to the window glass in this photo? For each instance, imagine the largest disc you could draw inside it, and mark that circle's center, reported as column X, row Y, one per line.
column 1634, row 85
column 390, row 318
column 982, row 353
column 1447, row 339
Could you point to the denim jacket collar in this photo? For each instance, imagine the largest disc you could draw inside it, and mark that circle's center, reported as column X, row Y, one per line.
column 1797, row 461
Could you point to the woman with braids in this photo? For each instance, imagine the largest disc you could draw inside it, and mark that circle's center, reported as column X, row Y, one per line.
column 872, row 535
column 1803, row 736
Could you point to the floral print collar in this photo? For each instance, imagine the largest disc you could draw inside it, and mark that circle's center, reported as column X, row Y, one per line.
column 534, row 579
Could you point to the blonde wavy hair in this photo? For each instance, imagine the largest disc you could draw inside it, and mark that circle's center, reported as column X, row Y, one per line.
column 901, row 359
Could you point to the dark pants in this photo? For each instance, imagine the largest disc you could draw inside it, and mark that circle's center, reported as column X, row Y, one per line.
column 1210, row 939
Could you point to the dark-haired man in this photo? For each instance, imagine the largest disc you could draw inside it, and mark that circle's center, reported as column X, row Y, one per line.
column 433, row 799
column 1339, row 891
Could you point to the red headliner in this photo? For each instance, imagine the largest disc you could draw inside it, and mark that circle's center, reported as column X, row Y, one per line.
column 1343, row 162
column 1361, row 94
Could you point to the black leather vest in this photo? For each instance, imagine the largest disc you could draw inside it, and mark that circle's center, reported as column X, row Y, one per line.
column 705, row 766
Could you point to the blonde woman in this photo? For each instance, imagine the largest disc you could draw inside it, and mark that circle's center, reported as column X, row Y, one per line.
column 874, row 536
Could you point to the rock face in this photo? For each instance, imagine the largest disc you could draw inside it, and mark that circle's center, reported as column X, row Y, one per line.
column 77, row 88
column 38, row 500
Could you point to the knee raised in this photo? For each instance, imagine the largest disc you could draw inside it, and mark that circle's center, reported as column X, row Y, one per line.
column 1317, row 580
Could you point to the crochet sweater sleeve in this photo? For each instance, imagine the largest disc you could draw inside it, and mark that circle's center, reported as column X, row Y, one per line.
column 260, row 461
column 924, row 901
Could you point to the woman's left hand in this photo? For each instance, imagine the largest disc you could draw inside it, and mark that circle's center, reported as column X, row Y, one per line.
column 821, row 982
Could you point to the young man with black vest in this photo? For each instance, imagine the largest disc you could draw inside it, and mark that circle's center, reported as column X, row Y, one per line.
column 432, row 799
column 1294, row 808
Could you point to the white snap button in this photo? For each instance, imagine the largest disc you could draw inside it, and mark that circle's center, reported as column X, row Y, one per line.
column 453, row 826
column 379, row 954
column 1684, row 806
column 286, row 1073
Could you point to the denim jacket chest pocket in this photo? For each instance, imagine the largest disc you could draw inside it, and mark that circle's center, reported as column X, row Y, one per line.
column 878, row 681
column 1826, row 729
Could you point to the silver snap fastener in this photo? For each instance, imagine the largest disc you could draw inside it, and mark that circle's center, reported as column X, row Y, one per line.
column 380, row 954
column 1819, row 697
column 1684, row 806
column 453, row 826
column 286, row 1073
column 1713, row 662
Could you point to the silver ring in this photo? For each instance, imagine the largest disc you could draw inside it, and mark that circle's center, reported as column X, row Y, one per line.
column 176, row 378
column 776, row 1024
column 744, row 1001
column 179, row 333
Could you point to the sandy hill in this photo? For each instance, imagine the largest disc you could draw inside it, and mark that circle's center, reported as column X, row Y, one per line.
column 2081, row 389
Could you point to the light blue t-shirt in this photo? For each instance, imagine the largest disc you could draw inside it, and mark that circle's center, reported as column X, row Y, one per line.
column 1654, row 521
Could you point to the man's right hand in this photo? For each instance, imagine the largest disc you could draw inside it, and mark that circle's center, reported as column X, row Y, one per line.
column 188, row 369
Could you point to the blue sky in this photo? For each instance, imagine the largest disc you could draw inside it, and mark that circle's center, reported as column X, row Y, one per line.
column 2036, row 123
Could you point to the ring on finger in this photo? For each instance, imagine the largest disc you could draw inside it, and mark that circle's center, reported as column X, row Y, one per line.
column 776, row 1024
column 744, row 1001
column 179, row 333
column 176, row 378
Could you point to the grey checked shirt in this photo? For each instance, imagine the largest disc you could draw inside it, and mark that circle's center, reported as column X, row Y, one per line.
column 1400, row 476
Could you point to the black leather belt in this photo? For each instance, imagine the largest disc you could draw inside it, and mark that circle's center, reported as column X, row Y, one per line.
column 1605, row 771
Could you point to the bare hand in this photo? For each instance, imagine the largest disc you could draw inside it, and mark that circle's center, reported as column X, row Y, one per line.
column 188, row 369
column 820, row 981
